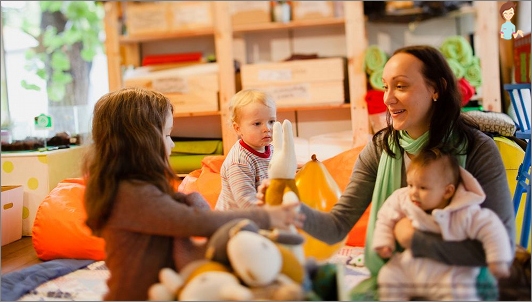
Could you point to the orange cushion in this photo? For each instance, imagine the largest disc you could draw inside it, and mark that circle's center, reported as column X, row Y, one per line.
column 59, row 230
column 340, row 167
column 206, row 180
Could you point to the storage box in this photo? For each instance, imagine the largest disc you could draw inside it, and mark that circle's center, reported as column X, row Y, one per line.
column 522, row 59
column 250, row 12
column 190, row 15
column 299, row 83
column 305, row 10
column 38, row 173
column 191, row 88
column 12, row 199
column 147, row 18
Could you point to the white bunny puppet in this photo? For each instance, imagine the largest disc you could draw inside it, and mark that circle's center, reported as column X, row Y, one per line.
column 281, row 172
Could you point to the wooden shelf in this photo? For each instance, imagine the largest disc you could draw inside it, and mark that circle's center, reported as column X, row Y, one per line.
column 167, row 36
column 314, row 107
column 290, row 25
column 193, row 114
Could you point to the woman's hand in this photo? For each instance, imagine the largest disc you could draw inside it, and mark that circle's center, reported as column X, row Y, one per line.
column 283, row 216
column 404, row 232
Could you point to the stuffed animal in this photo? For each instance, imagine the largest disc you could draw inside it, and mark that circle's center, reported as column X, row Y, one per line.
column 281, row 172
column 242, row 263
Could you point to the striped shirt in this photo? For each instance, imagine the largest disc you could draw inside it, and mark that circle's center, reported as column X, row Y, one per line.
column 242, row 172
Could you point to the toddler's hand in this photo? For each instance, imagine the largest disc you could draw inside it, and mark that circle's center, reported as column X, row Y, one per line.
column 499, row 269
column 384, row 251
column 283, row 216
column 261, row 191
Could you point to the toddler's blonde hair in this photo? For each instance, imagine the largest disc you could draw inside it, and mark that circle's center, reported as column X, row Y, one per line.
column 245, row 97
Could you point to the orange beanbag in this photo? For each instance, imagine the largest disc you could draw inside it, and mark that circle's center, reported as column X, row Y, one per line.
column 340, row 167
column 59, row 230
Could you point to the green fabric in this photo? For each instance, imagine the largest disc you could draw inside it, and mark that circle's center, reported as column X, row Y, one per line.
column 487, row 289
column 375, row 80
column 458, row 48
column 374, row 58
column 388, row 180
column 473, row 73
column 456, row 67
column 197, row 147
column 365, row 290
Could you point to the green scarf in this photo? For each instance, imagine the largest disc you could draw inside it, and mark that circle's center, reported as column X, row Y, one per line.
column 388, row 180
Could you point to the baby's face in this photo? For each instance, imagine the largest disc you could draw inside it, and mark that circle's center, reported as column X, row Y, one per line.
column 256, row 125
column 427, row 187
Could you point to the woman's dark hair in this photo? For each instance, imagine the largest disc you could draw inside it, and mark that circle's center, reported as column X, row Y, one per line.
column 448, row 128
column 127, row 144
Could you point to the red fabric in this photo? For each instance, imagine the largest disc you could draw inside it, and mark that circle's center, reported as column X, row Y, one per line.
column 375, row 101
column 59, row 230
column 171, row 58
column 466, row 90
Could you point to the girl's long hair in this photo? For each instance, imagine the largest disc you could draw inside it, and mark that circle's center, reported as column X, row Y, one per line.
column 449, row 129
column 127, row 144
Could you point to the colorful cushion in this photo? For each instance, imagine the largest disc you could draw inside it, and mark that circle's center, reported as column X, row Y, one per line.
column 59, row 230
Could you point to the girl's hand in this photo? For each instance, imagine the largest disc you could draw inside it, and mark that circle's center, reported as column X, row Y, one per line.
column 404, row 232
column 283, row 216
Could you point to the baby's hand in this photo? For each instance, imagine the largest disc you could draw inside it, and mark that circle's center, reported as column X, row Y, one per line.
column 499, row 269
column 384, row 251
column 261, row 191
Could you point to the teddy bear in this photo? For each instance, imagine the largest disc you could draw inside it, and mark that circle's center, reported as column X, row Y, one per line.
column 242, row 263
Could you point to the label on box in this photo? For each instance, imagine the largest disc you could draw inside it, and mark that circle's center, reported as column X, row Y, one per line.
column 167, row 85
column 313, row 7
column 296, row 91
column 274, row 75
column 197, row 13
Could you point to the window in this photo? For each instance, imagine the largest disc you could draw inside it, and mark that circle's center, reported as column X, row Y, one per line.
column 19, row 105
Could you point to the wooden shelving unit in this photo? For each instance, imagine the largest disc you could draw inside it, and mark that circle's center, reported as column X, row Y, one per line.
column 123, row 50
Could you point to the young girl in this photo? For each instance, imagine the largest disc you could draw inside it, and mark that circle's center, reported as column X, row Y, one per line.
column 130, row 197
column 253, row 114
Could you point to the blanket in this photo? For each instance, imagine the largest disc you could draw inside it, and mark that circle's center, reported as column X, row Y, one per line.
column 16, row 284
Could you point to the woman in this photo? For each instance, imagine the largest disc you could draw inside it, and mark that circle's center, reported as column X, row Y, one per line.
column 424, row 112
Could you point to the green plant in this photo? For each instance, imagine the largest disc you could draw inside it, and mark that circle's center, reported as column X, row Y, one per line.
column 68, row 31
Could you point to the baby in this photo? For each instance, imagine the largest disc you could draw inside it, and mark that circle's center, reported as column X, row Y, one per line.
column 441, row 197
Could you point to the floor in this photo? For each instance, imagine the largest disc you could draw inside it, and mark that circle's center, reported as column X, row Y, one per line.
column 18, row 255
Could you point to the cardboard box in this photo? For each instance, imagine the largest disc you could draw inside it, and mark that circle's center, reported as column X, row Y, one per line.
column 191, row 88
column 250, row 12
column 38, row 173
column 305, row 10
column 190, row 15
column 147, row 18
column 299, row 83
column 12, row 199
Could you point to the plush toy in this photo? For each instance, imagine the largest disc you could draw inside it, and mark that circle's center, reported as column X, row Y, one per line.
column 282, row 172
column 242, row 263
